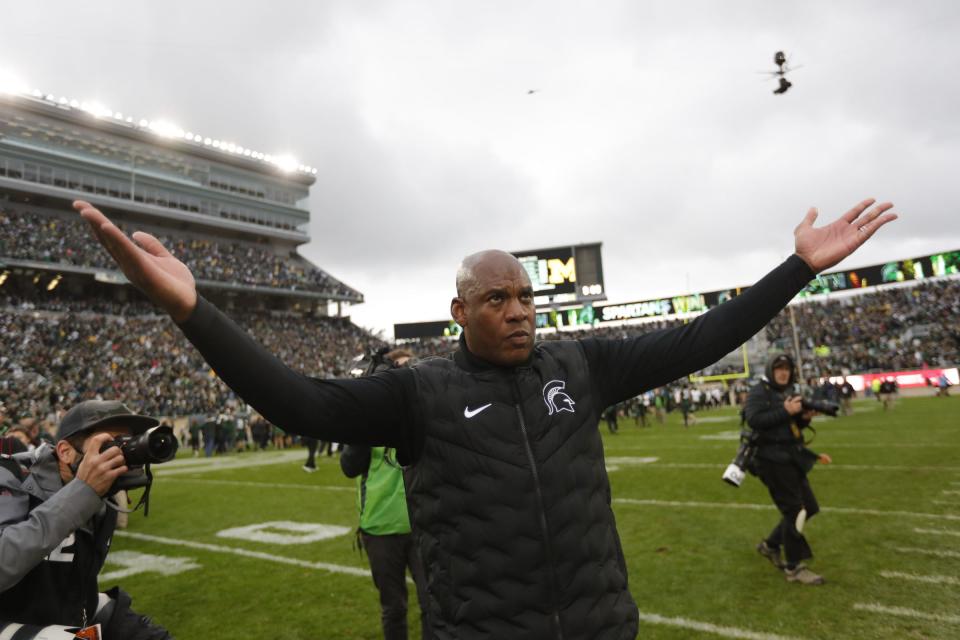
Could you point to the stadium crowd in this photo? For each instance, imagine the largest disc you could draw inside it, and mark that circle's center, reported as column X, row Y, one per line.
column 887, row 330
column 31, row 235
column 52, row 357
column 58, row 350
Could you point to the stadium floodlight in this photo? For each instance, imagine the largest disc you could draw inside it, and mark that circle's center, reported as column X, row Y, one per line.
column 165, row 129
column 286, row 162
column 11, row 84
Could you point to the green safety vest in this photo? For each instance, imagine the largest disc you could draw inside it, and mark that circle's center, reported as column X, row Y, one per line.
column 381, row 498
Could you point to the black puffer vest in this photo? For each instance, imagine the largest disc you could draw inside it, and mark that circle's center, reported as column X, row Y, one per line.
column 510, row 502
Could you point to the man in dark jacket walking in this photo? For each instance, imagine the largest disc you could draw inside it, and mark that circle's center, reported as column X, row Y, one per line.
column 775, row 413
column 506, row 484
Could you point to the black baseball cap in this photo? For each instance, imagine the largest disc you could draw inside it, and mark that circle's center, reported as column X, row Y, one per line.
column 90, row 414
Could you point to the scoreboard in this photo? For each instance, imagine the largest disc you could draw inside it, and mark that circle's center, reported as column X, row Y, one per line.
column 568, row 287
column 564, row 275
column 932, row 266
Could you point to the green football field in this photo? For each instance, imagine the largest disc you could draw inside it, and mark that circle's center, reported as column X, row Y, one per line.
column 248, row 545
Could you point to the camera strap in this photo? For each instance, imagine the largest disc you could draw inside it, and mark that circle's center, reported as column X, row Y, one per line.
column 144, row 497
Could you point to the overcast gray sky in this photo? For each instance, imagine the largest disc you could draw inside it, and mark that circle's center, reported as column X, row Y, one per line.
column 651, row 130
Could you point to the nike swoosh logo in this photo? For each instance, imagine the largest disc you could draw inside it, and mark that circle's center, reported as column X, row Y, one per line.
column 467, row 413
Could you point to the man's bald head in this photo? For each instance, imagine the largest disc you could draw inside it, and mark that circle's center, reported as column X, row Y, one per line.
column 495, row 307
column 477, row 266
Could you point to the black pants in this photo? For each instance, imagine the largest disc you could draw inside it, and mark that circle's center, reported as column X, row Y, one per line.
column 791, row 492
column 390, row 556
column 311, row 451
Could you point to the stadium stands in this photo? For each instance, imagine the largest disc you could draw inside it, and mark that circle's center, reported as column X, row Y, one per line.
column 890, row 329
column 54, row 355
column 28, row 234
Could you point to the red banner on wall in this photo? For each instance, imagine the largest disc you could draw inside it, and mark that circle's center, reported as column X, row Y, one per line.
column 906, row 379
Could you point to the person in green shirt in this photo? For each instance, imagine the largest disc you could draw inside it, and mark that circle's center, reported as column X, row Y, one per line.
column 384, row 524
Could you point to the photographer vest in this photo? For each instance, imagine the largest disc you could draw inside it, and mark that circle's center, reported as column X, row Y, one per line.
column 381, row 500
column 510, row 501
column 64, row 583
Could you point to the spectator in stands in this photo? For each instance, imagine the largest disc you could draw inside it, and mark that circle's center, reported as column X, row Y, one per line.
column 55, row 527
column 495, row 571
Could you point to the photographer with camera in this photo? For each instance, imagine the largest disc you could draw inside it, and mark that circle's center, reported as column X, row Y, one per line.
column 384, row 529
column 777, row 416
column 56, row 522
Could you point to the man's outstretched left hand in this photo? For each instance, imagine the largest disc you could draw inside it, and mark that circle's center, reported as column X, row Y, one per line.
column 823, row 247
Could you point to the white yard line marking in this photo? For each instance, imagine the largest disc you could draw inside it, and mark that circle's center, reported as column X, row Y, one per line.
column 835, row 466
column 938, row 553
column 259, row 555
column 908, row 613
column 938, row 532
column 952, row 503
column 265, row 485
column 770, row 507
column 930, row 579
column 228, row 463
column 706, row 627
column 950, row 492
column 231, row 459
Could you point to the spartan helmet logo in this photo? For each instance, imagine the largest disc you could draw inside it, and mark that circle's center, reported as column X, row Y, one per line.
column 555, row 398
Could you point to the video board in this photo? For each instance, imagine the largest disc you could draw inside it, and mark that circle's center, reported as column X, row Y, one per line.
column 565, row 274
column 585, row 313
column 936, row 265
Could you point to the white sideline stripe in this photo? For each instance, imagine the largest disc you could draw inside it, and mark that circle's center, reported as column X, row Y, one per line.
column 834, row 466
column 231, row 459
column 928, row 552
column 333, row 568
column 227, row 464
column 267, row 485
column 931, row 579
column 770, row 507
column 706, row 627
column 908, row 613
column 938, row 532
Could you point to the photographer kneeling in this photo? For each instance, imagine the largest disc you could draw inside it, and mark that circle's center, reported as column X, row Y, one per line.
column 776, row 415
column 56, row 525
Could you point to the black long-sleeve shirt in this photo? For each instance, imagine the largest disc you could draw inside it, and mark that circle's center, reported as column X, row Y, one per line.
column 381, row 409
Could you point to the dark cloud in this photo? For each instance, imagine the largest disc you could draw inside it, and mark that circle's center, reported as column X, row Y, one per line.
column 652, row 130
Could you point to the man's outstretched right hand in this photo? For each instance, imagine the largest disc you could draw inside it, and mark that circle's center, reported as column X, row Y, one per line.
column 146, row 263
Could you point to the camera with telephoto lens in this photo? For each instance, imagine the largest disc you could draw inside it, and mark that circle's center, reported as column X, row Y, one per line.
column 153, row 446
column 736, row 471
column 821, row 406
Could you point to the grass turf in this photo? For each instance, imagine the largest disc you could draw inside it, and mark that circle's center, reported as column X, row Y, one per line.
column 891, row 500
